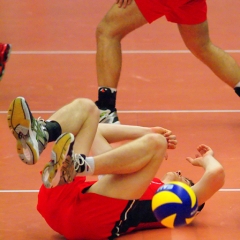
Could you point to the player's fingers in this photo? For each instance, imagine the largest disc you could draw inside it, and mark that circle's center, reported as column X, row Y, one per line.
column 120, row 3
column 123, row 3
column 167, row 133
column 171, row 137
column 172, row 144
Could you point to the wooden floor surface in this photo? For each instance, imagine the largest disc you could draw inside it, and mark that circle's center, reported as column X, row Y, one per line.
column 162, row 84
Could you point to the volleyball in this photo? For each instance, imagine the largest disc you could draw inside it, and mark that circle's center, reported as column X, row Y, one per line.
column 174, row 204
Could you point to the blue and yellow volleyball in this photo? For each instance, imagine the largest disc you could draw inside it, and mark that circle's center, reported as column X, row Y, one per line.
column 174, row 204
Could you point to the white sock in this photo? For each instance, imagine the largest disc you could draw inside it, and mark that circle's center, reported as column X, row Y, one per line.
column 238, row 85
column 89, row 167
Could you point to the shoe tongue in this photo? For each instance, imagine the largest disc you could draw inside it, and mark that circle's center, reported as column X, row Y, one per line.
column 77, row 161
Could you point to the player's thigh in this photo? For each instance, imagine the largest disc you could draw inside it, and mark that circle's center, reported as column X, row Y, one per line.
column 125, row 186
column 121, row 21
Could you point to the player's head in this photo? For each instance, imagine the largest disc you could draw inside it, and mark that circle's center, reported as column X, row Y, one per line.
column 177, row 176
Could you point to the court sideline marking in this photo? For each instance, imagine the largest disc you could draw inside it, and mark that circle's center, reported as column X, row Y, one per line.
column 124, row 52
column 32, row 191
column 154, row 111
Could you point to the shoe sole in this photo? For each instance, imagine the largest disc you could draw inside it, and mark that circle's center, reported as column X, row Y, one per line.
column 19, row 122
column 110, row 122
column 7, row 53
column 51, row 174
column 107, row 117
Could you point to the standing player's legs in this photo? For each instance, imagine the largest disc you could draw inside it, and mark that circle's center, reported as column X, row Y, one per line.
column 196, row 37
column 115, row 25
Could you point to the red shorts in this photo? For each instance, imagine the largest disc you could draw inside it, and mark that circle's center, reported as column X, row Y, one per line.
column 78, row 215
column 177, row 11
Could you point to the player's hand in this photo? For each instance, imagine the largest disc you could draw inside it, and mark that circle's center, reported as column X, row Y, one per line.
column 203, row 152
column 172, row 141
column 123, row 3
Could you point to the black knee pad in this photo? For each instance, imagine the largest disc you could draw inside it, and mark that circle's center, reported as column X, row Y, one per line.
column 237, row 91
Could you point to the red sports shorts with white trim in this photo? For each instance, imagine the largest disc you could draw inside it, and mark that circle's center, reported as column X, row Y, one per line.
column 78, row 215
column 178, row 11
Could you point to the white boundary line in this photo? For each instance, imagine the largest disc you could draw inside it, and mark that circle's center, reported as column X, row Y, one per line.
column 34, row 191
column 18, row 191
column 130, row 111
column 229, row 190
column 154, row 111
column 124, row 52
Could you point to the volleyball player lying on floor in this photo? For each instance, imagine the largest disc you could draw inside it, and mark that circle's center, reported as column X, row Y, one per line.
column 120, row 201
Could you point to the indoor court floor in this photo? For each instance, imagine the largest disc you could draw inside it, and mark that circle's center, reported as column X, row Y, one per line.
column 162, row 84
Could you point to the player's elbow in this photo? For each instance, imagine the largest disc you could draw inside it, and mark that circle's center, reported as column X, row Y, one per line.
column 218, row 177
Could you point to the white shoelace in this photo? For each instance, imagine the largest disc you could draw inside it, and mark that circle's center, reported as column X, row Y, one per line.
column 78, row 161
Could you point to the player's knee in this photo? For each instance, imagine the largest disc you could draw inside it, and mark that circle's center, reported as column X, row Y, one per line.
column 161, row 142
column 85, row 105
column 237, row 91
column 104, row 29
column 108, row 30
column 156, row 141
column 100, row 30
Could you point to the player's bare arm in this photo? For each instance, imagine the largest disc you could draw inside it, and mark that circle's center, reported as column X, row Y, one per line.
column 213, row 177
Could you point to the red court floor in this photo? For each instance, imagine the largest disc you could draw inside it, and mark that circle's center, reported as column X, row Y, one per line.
column 162, row 84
